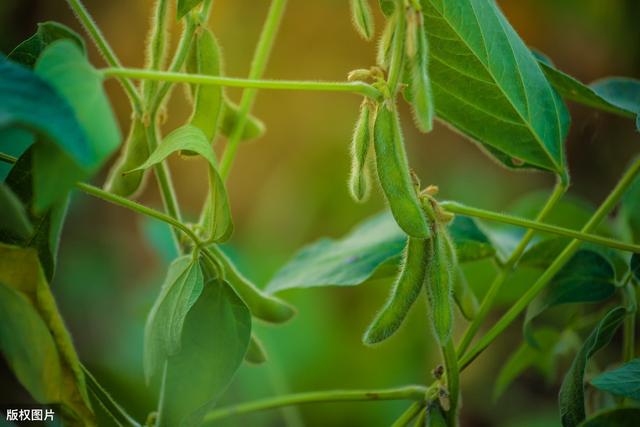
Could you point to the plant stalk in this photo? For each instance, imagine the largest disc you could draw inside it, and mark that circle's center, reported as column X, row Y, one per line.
column 522, row 303
column 413, row 392
column 408, row 415
column 453, row 381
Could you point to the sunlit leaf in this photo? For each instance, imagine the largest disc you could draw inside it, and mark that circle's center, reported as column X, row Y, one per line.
column 623, row 381
column 488, row 85
column 215, row 338
column 28, row 51
column 571, row 397
column 587, row 277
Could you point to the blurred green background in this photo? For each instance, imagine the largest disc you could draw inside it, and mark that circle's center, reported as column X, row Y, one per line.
column 289, row 188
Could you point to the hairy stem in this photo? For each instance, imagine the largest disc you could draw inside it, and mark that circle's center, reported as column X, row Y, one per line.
column 453, row 381
column 522, row 303
column 258, row 64
column 505, row 270
column 413, row 392
column 583, row 235
column 105, row 49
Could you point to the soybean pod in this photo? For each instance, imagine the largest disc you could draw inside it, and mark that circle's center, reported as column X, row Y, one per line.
column 419, row 81
column 362, row 18
column 253, row 128
column 393, row 173
column 359, row 181
column 439, row 284
column 205, row 58
column 135, row 153
column 404, row 293
column 263, row 306
column 256, row 354
column 464, row 296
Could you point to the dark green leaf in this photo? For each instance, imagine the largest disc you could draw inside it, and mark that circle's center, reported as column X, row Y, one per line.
column 28, row 347
column 502, row 100
column 624, row 381
column 571, row 397
column 587, row 277
column 591, row 96
column 622, row 92
column 28, row 51
column 619, row 417
column 14, row 142
column 47, row 225
column 369, row 248
column 214, row 341
column 185, row 6
column 163, row 331
column 13, row 217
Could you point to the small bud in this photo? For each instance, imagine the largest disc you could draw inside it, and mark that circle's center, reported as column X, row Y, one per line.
column 359, row 74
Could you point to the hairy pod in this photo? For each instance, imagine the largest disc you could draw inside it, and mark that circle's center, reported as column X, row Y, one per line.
column 262, row 306
column 205, row 58
column 359, row 181
column 404, row 293
column 253, row 127
column 362, row 18
column 419, row 81
column 383, row 53
column 393, row 173
column 464, row 296
column 439, row 284
column 256, row 354
column 135, row 153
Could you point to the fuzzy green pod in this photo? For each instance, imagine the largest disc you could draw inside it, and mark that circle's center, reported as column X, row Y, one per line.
column 439, row 284
column 359, row 181
column 383, row 53
column 264, row 307
column 362, row 18
column 135, row 153
column 393, row 173
column 404, row 293
column 464, row 296
column 419, row 81
column 205, row 58
column 256, row 354
column 253, row 128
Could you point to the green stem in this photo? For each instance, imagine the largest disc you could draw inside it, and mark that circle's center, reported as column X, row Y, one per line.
column 359, row 88
column 161, row 397
column 583, row 234
column 397, row 54
column 453, row 381
column 258, row 64
column 505, row 270
column 105, row 49
column 408, row 415
column 522, row 303
column 629, row 326
column 108, row 403
column 413, row 392
column 156, row 47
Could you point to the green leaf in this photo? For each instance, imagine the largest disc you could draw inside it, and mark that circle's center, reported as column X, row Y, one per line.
column 163, row 331
column 28, row 347
column 552, row 345
column 635, row 266
column 366, row 252
column 624, row 381
column 215, row 338
column 47, row 225
column 13, row 217
column 619, row 417
column 587, row 277
column 20, row 271
column 185, row 6
column 27, row 52
column 14, row 142
column 571, row 396
column 622, row 92
column 502, row 100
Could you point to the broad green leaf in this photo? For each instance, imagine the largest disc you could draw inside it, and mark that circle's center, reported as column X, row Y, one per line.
column 163, row 331
column 488, row 85
column 20, row 270
column 635, row 266
column 214, row 341
column 574, row 90
column 618, row 417
column 47, row 225
column 587, row 277
column 13, row 217
column 367, row 250
column 622, row 92
column 624, row 381
column 552, row 345
column 28, row 347
column 185, row 6
column 28, row 51
column 571, row 396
